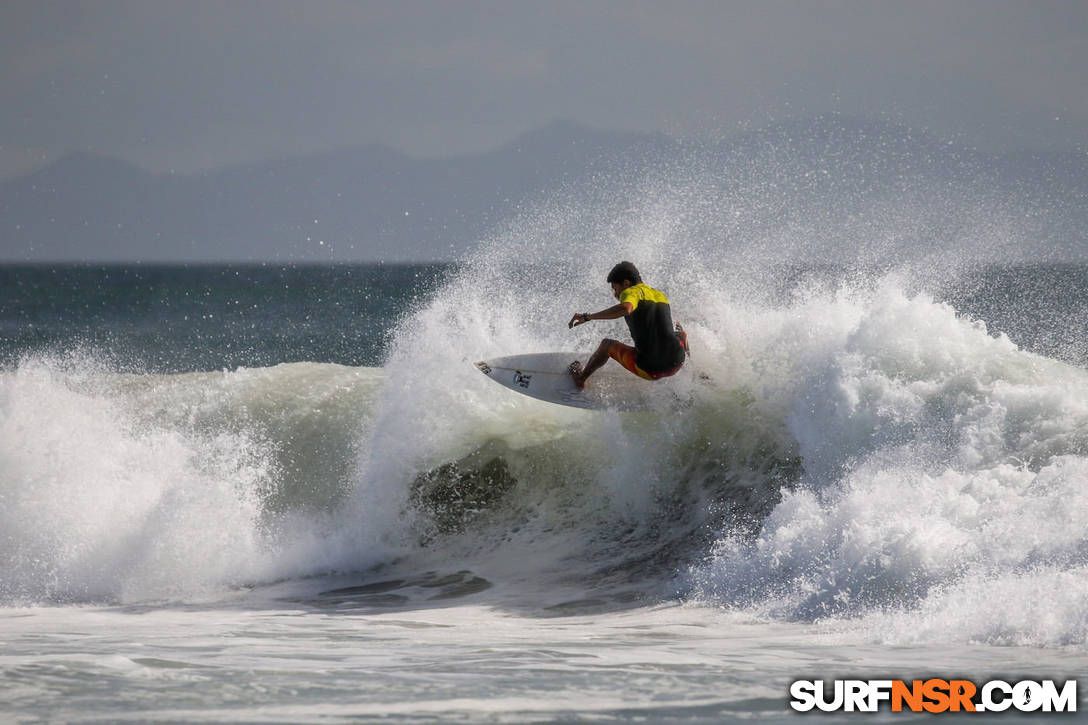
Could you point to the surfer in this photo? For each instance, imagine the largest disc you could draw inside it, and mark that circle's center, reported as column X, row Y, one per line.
column 659, row 350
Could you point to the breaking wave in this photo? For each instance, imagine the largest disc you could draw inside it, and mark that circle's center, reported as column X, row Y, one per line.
column 853, row 451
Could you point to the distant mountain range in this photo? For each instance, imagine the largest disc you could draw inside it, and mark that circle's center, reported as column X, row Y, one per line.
column 377, row 204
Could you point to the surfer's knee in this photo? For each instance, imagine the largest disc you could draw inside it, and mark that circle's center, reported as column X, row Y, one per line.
column 615, row 349
column 606, row 345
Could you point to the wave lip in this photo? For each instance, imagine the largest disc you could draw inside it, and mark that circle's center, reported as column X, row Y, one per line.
column 122, row 487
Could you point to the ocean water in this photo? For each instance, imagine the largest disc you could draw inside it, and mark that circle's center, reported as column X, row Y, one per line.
column 284, row 494
column 267, row 494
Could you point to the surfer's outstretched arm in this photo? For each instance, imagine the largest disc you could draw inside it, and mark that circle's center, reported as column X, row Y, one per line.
column 605, row 350
column 614, row 312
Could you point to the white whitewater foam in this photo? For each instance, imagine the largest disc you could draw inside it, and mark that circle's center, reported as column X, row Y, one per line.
column 152, row 487
column 938, row 461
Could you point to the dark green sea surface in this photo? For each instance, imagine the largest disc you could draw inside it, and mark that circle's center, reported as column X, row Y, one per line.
column 186, row 318
column 164, row 318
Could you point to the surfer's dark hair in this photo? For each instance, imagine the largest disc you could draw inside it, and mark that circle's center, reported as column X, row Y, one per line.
column 624, row 271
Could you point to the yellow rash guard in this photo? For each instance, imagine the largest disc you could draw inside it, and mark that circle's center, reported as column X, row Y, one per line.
column 657, row 348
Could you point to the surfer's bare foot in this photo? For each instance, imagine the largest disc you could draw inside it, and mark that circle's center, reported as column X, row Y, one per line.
column 576, row 374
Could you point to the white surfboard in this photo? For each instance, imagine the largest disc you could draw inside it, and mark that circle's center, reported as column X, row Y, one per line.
column 546, row 376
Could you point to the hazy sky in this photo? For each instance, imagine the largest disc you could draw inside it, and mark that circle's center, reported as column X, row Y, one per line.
column 196, row 84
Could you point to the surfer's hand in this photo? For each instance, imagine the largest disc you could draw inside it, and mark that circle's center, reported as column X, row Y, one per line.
column 580, row 318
